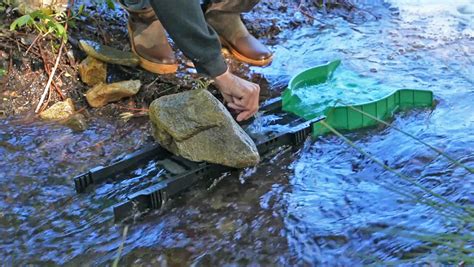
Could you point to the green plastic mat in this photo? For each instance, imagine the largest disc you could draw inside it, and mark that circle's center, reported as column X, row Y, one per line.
column 342, row 97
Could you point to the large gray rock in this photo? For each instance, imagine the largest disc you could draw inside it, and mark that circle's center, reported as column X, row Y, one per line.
column 196, row 126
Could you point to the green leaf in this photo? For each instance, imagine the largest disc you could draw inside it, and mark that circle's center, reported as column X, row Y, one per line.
column 81, row 9
column 60, row 30
column 20, row 22
column 72, row 23
column 110, row 4
column 49, row 24
column 38, row 14
column 44, row 22
column 2, row 72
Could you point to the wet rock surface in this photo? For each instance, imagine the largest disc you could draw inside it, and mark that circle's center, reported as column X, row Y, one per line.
column 196, row 126
column 109, row 54
column 77, row 122
column 102, row 94
column 93, row 71
column 58, row 111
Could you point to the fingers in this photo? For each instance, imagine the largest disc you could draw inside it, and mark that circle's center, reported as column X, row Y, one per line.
column 242, row 102
column 238, row 102
column 236, row 107
column 252, row 106
column 248, row 113
column 242, row 116
column 250, row 92
column 227, row 98
column 245, row 115
column 241, row 95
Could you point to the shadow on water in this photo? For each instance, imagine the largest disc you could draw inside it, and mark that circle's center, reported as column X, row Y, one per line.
column 324, row 204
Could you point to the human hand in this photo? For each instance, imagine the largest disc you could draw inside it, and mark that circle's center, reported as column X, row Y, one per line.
column 241, row 95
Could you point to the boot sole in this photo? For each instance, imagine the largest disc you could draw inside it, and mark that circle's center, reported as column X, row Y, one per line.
column 242, row 58
column 158, row 68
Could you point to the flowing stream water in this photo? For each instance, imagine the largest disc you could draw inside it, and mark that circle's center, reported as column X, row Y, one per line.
column 322, row 204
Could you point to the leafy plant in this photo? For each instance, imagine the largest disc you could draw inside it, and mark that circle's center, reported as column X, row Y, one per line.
column 4, row 4
column 44, row 21
column 2, row 72
column 110, row 4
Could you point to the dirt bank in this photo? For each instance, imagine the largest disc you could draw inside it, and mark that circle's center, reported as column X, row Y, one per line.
column 28, row 58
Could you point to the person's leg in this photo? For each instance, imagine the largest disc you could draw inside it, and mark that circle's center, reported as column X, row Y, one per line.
column 148, row 38
column 224, row 17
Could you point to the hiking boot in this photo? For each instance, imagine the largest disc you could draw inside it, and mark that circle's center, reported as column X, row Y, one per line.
column 149, row 42
column 237, row 39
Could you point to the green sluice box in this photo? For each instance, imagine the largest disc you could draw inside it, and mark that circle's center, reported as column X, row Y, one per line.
column 348, row 101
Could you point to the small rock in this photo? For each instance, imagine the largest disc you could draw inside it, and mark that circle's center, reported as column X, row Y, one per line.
column 93, row 71
column 196, row 126
column 109, row 54
column 226, row 226
column 102, row 94
column 58, row 111
column 76, row 122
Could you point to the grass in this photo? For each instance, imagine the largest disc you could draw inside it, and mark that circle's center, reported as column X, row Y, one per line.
column 120, row 249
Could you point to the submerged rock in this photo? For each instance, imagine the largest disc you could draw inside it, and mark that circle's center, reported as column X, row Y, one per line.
column 76, row 122
column 196, row 126
column 109, row 54
column 102, row 94
column 92, row 71
column 58, row 111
